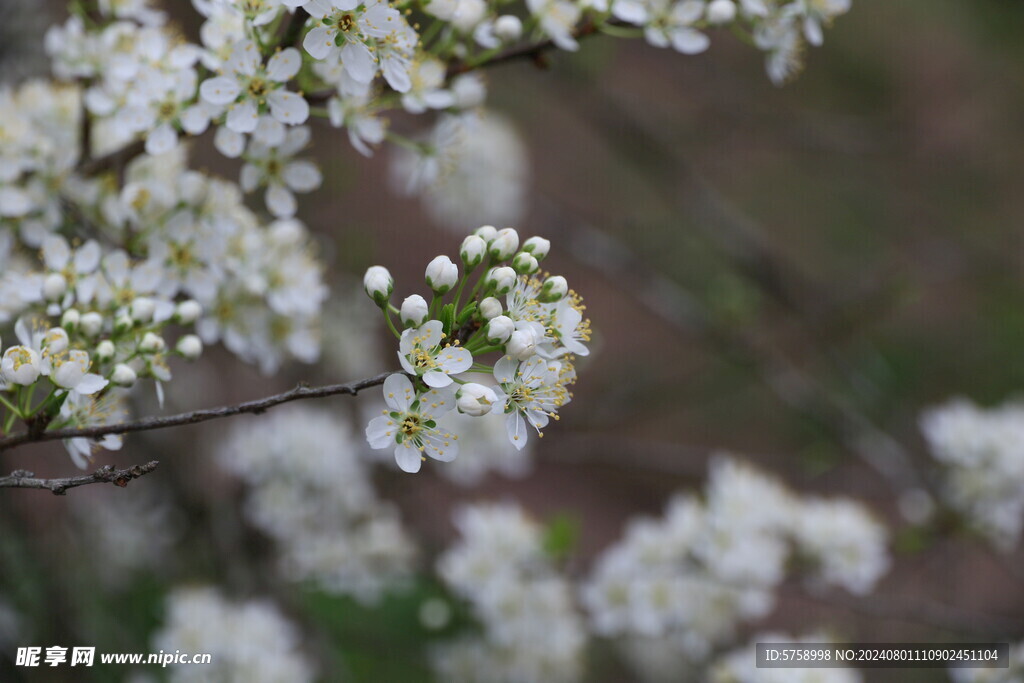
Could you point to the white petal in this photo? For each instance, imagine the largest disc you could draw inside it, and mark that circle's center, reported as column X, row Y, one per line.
column 398, row 392
column 442, row 447
column 432, row 332
column 195, row 120
column 515, row 426
column 87, row 257
column 303, row 176
column 358, row 62
column 162, row 140
column 243, row 117
column 288, row 107
column 404, row 361
column 244, row 58
column 812, row 29
column 250, row 178
column 14, row 202
column 455, row 360
column 689, row 41
column 436, row 379
column 90, row 384
column 380, row 433
column 284, row 65
column 396, row 73
column 319, row 42
column 505, row 369
column 408, row 458
column 56, row 252
column 220, row 91
column 280, row 201
column 269, row 132
column 229, row 143
column 631, row 11
column 437, row 402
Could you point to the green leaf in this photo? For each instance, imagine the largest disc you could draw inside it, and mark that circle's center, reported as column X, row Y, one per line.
column 448, row 318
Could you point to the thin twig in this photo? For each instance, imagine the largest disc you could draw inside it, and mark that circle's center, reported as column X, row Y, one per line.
column 23, row 479
column 196, row 416
column 117, row 159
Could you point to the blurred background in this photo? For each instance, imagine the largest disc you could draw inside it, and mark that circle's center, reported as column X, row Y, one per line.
column 791, row 275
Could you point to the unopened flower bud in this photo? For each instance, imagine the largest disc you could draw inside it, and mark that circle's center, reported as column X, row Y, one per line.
column 508, row 28
column 54, row 286
column 490, row 308
column 441, row 274
column 123, row 323
column 501, row 280
column 188, row 312
column 538, row 246
column 720, row 11
column 70, row 319
column 522, row 344
column 504, row 244
column 142, row 309
column 486, row 232
column 414, row 311
column 190, row 347
column 152, row 343
column 378, row 284
column 499, row 329
column 123, row 376
column 472, row 251
column 475, row 400
column 525, row 264
column 105, row 351
column 553, row 289
column 91, row 324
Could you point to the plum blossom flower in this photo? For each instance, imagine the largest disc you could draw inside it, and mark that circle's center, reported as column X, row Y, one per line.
column 532, row 391
column 671, row 24
column 420, row 353
column 81, row 411
column 248, row 87
column 275, row 169
column 426, row 90
column 345, row 28
column 410, row 424
column 557, row 18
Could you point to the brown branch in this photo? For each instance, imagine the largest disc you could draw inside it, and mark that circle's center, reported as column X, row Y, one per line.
column 196, row 416
column 23, row 479
column 115, row 160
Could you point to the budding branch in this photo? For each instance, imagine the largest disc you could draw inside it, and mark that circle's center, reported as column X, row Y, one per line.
column 196, row 416
column 22, row 479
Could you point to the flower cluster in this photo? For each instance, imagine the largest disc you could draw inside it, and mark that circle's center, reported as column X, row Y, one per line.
column 309, row 491
column 117, row 256
column 537, row 333
column 247, row 641
column 690, row 577
column 982, row 453
column 531, row 630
